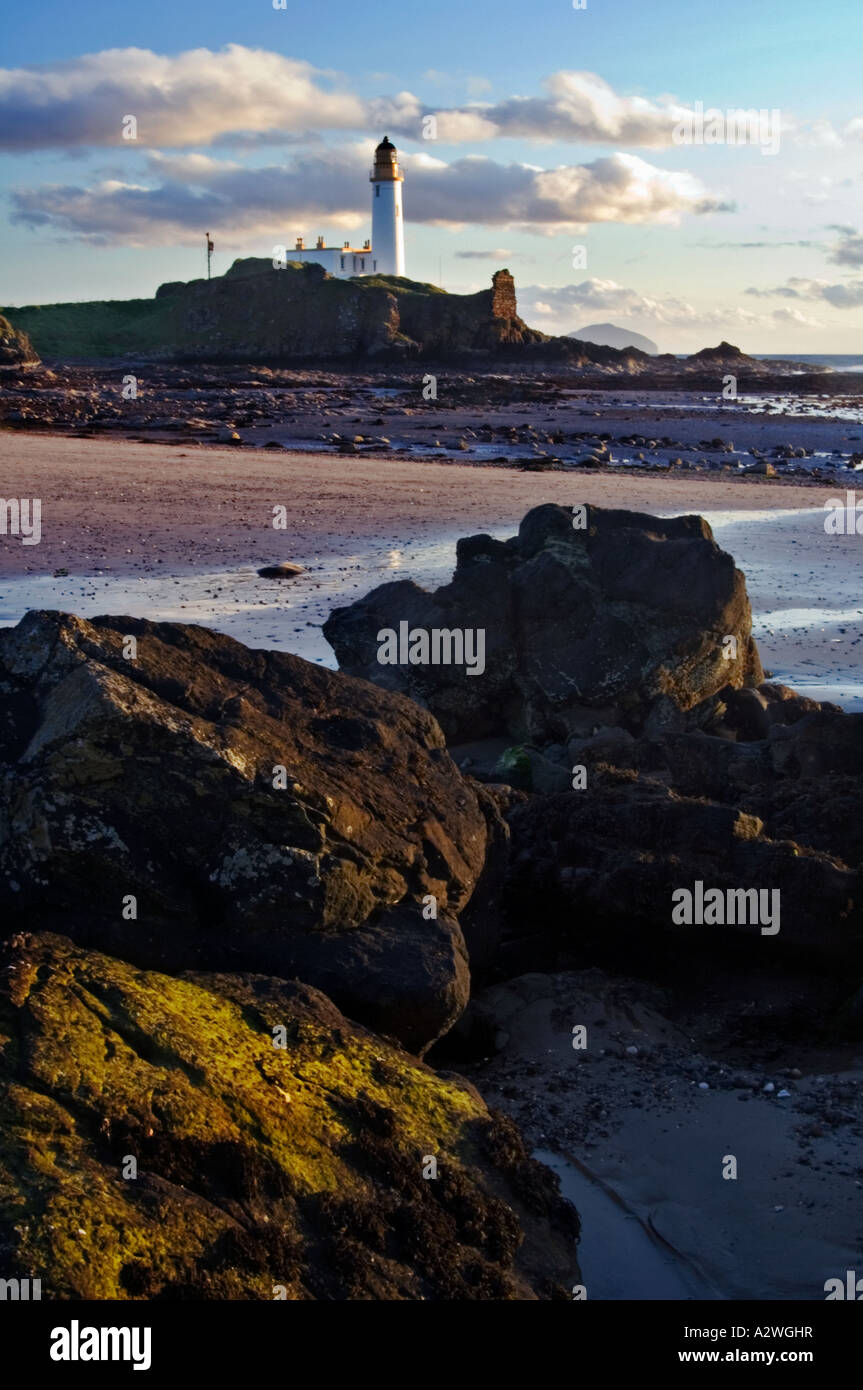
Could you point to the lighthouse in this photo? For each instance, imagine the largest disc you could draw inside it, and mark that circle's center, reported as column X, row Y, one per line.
column 388, row 223
column 385, row 253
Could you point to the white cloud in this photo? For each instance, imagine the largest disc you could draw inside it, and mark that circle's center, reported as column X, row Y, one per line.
column 252, row 95
column 796, row 318
column 615, row 188
column 842, row 296
column 570, row 304
column 848, row 250
column 500, row 253
column 187, row 99
column 821, row 134
column 567, row 308
column 330, row 188
column 577, row 106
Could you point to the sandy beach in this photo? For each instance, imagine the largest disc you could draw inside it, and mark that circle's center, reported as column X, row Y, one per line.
column 168, row 533
column 114, row 504
column 637, row 1138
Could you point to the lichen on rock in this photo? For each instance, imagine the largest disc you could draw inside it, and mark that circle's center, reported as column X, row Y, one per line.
column 259, row 1171
column 156, row 779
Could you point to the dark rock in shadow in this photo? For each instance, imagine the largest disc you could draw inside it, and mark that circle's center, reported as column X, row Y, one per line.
column 200, row 803
column 625, row 620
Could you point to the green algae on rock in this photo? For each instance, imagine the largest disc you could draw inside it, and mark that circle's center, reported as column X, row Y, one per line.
column 261, row 1171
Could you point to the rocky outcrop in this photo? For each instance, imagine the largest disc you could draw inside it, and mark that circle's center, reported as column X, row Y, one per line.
column 175, row 798
column 16, row 350
column 626, row 620
column 503, row 301
column 749, row 809
column 724, row 354
column 601, row 866
column 256, row 313
column 235, row 1137
column 725, row 357
column 262, row 315
column 800, row 778
column 447, row 326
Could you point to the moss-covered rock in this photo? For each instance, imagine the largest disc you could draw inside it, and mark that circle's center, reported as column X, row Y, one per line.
column 157, row 1144
column 513, row 766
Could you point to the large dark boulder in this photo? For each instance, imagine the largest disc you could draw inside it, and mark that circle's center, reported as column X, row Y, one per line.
column 599, row 868
column 155, row 1144
column 151, row 778
column 802, row 780
column 624, row 621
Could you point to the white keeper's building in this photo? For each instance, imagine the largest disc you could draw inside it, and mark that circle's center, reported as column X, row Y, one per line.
column 385, row 253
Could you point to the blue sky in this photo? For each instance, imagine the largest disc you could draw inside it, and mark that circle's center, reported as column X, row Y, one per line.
column 256, row 124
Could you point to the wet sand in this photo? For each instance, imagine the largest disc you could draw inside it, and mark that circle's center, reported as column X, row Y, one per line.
column 127, row 507
column 643, row 1123
column 179, row 534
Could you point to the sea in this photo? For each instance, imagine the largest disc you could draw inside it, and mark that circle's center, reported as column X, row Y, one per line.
column 837, row 361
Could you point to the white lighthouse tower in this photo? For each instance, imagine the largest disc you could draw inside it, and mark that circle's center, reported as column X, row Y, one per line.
column 388, row 223
column 385, row 253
